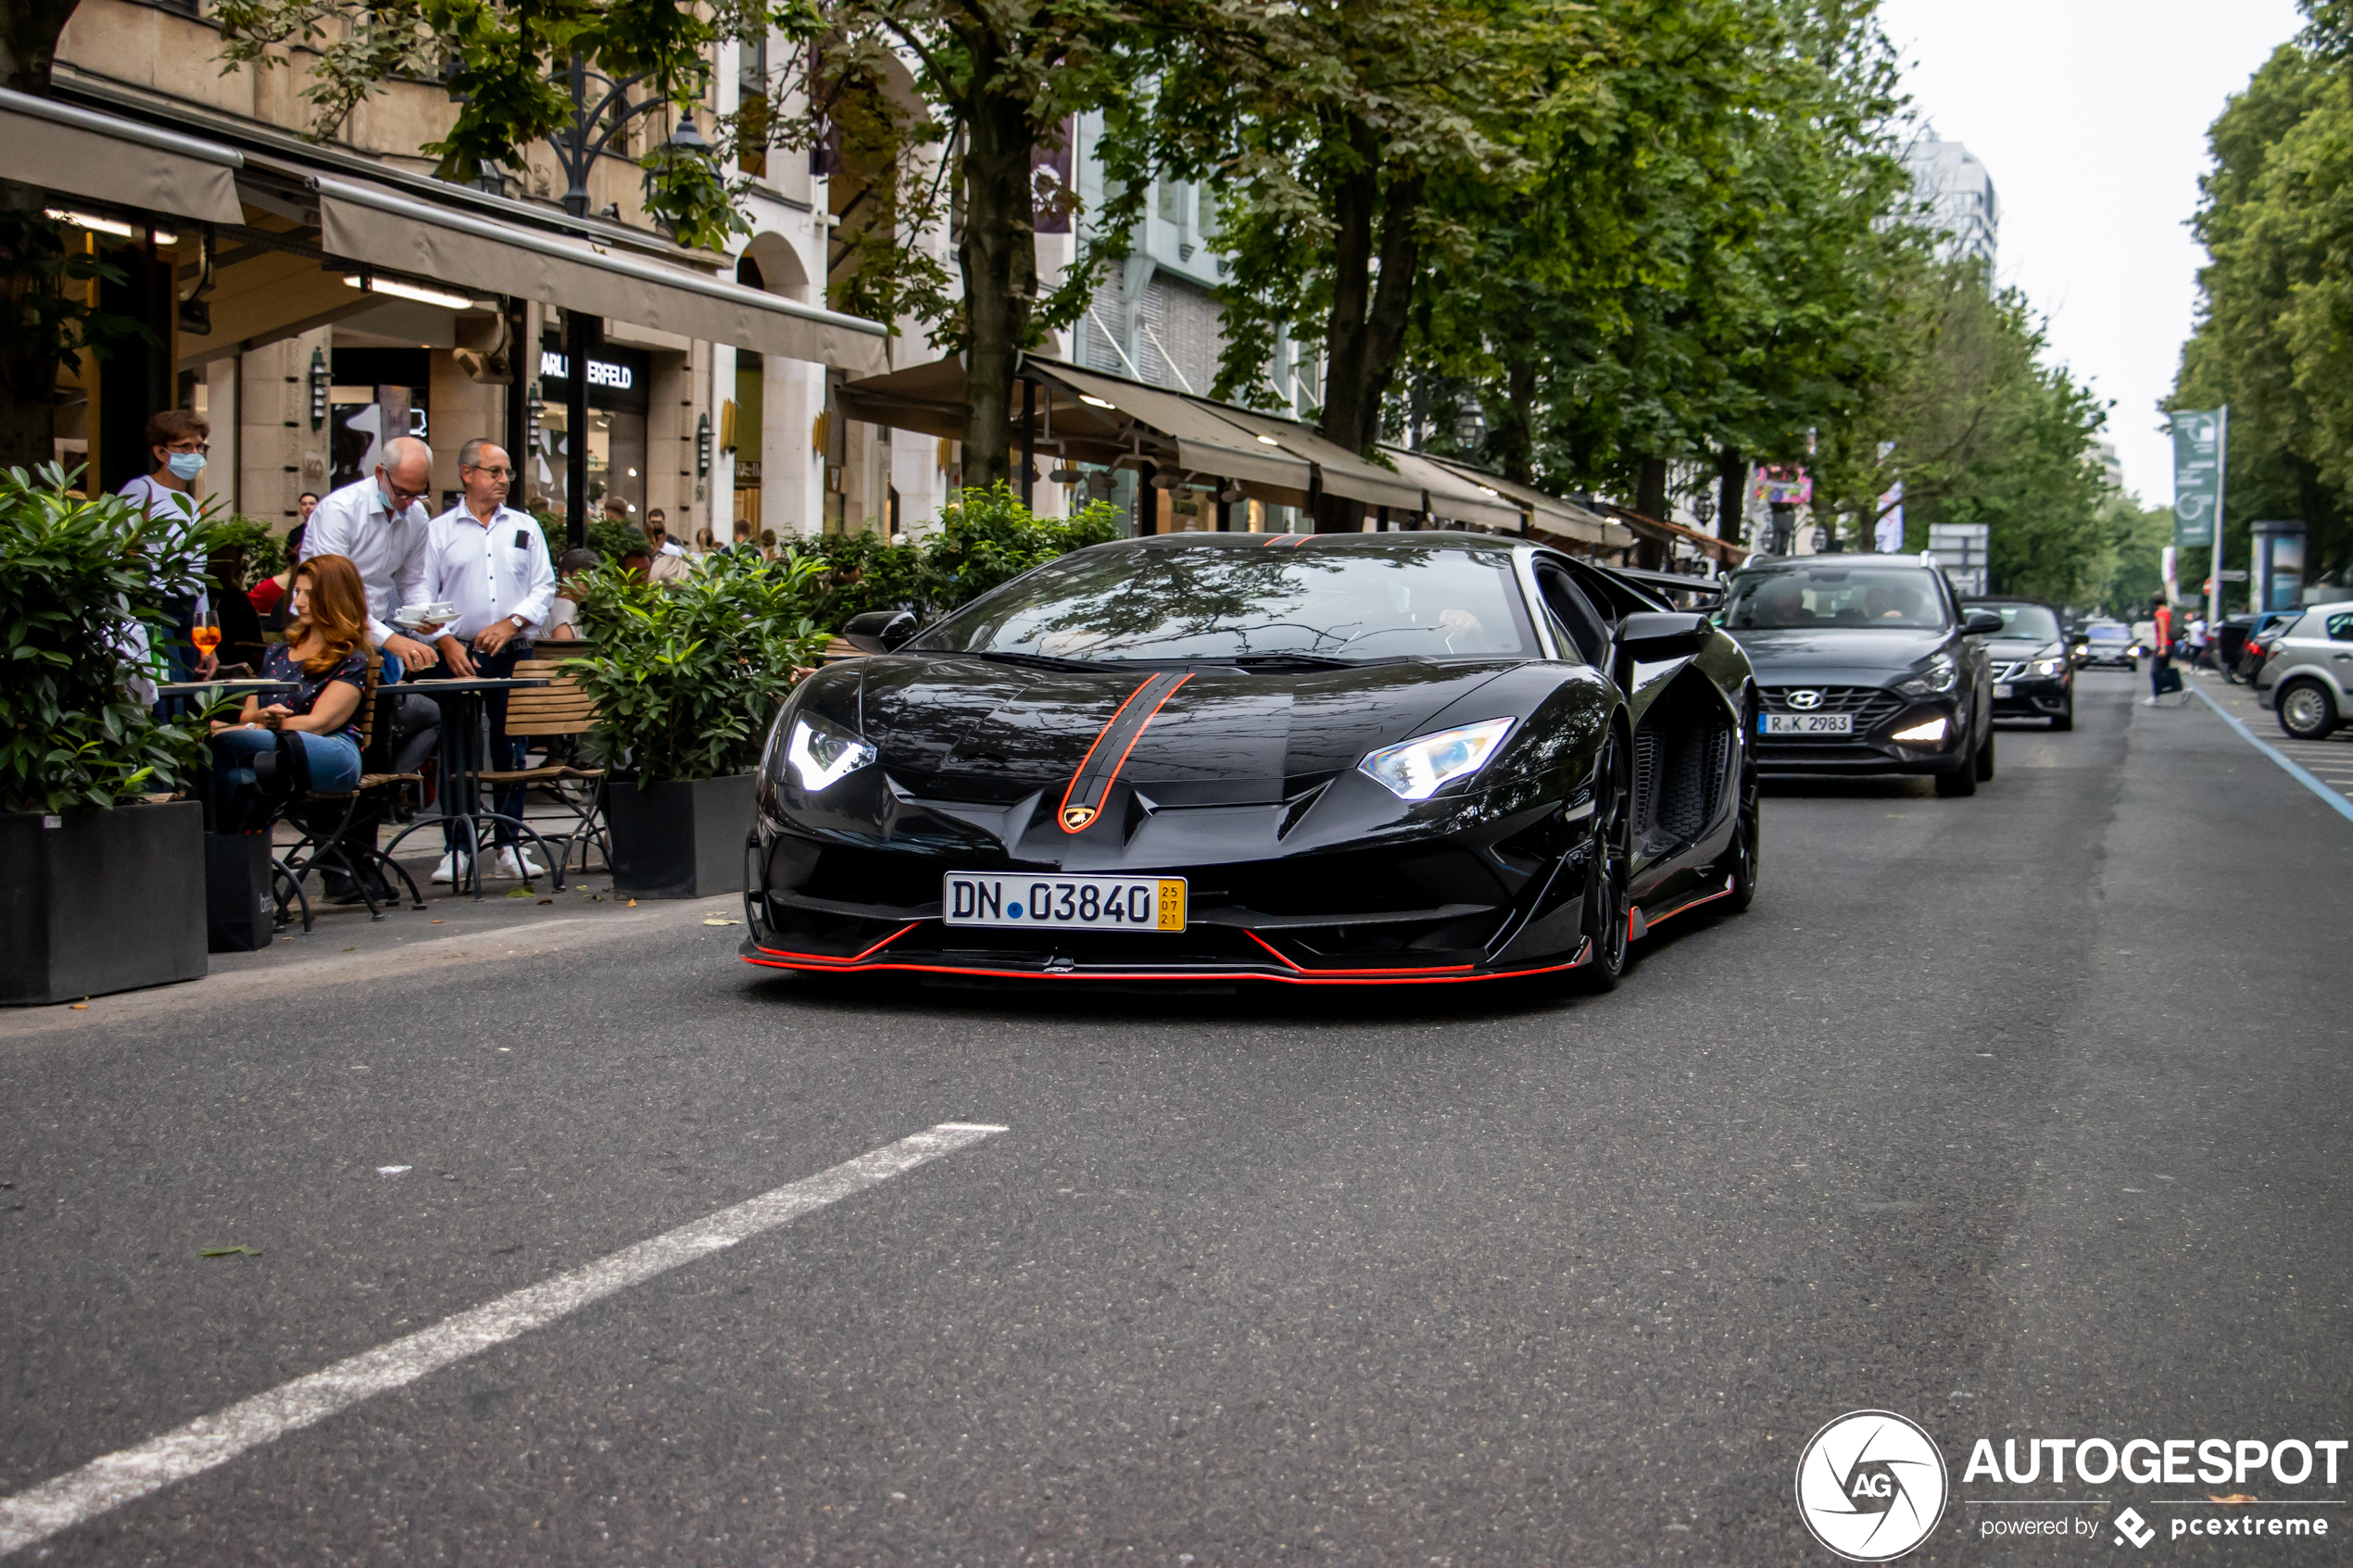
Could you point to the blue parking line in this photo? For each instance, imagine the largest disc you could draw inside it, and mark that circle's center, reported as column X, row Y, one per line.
column 2344, row 807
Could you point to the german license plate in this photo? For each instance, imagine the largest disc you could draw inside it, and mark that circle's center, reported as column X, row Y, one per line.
column 1806, row 724
column 2002, row 688
column 1064, row 903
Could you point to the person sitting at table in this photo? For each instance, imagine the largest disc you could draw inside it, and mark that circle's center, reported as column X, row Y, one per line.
column 313, row 730
column 269, row 595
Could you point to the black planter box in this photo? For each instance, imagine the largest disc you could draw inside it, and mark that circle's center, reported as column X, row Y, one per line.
column 240, row 916
column 98, row 901
column 679, row 840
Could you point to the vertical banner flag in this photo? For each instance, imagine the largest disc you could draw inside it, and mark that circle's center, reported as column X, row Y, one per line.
column 2197, row 477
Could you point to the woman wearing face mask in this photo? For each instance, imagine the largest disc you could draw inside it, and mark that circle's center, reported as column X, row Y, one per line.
column 178, row 442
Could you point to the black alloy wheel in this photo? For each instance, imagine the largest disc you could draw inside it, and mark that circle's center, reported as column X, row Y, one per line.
column 1985, row 757
column 2065, row 717
column 2306, row 711
column 1609, row 869
column 1748, row 825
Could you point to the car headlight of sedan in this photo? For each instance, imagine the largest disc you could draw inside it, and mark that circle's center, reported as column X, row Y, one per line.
column 2049, row 666
column 822, row 755
column 1421, row 767
column 1938, row 672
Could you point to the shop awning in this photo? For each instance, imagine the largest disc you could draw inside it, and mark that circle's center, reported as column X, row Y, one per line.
column 104, row 158
column 1207, row 446
column 1668, row 532
column 1456, row 496
column 1342, row 471
column 400, row 234
column 1559, row 521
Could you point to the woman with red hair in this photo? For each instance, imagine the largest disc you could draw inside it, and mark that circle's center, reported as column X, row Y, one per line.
column 313, row 730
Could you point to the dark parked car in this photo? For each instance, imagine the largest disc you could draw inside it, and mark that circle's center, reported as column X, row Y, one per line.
column 2033, row 676
column 1866, row 665
column 1316, row 759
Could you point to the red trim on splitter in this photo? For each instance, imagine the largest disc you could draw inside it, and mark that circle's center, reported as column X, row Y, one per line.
column 1305, row 977
column 1433, row 969
column 1652, row 922
column 825, row 958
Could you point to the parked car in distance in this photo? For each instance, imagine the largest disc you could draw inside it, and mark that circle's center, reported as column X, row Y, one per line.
column 2108, row 644
column 2033, row 674
column 2306, row 678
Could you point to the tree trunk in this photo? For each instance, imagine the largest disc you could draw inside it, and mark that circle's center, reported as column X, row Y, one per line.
column 1366, row 330
column 1650, row 499
column 998, row 253
column 1516, row 437
column 1731, row 491
column 29, row 33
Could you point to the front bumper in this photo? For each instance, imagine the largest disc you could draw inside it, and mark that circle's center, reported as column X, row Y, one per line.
column 1870, row 750
column 2035, row 697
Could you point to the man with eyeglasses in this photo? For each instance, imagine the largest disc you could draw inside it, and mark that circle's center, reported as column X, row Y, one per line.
column 379, row 524
column 491, row 562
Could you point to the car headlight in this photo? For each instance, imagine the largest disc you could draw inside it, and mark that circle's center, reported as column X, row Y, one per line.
column 822, row 755
column 2049, row 666
column 1938, row 672
column 1421, row 767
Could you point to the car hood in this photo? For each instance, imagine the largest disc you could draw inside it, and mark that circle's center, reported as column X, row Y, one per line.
column 969, row 729
column 1848, row 654
column 2002, row 650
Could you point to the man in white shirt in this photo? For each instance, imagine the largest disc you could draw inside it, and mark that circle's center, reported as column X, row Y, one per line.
column 379, row 526
column 491, row 562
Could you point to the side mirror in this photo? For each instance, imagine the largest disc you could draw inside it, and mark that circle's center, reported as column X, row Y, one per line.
column 1649, row 636
column 880, row 631
column 1980, row 623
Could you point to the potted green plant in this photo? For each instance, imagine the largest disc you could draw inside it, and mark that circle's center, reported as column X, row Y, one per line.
column 102, row 880
column 685, row 676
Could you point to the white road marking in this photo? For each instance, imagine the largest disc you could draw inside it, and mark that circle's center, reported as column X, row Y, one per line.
column 392, row 1170
column 130, row 1474
column 2343, row 804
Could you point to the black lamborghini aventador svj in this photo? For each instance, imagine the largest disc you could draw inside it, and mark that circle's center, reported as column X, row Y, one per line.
column 1319, row 760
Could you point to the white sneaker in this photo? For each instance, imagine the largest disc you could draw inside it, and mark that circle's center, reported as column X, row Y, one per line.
column 513, row 862
column 2149, row 702
column 447, row 870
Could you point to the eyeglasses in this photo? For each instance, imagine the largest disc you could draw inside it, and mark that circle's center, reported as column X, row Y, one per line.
column 495, row 473
column 185, row 445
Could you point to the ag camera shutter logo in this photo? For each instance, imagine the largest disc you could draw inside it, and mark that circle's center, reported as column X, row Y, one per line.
column 1871, row 1486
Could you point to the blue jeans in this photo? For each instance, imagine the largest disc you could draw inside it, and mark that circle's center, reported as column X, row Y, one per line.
column 335, row 769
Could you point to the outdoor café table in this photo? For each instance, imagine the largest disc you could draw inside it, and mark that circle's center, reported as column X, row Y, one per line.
column 461, row 774
column 189, row 692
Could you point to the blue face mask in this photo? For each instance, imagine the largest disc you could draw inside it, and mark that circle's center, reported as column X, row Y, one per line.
column 184, row 465
column 386, row 501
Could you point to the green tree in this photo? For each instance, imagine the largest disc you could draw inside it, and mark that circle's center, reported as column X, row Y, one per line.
column 2275, row 335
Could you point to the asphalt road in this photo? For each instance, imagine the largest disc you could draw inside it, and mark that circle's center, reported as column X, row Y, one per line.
column 2025, row 1114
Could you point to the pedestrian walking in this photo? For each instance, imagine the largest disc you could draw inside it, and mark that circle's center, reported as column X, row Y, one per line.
column 491, row 562
column 2161, row 676
column 669, row 563
column 2201, row 638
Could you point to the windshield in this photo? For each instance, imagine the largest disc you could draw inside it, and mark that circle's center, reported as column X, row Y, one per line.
column 1808, row 599
column 2026, row 623
column 1219, row 602
column 2108, row 633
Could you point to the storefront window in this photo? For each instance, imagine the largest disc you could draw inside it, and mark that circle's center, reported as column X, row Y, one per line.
column 618, row 379
column 377, row 394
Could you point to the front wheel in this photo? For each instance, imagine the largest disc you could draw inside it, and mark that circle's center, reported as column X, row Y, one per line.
column 1609, row 870
column 1985, row 757
column 2065, row 717
column 1959, row 781
column 2305, row 711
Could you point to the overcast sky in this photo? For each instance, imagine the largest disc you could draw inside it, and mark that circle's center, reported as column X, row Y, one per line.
column 2091, row 116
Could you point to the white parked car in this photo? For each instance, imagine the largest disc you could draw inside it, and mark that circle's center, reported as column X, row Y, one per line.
column 2308, row 681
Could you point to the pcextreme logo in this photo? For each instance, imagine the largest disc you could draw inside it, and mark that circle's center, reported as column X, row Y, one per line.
column 1871, row 1486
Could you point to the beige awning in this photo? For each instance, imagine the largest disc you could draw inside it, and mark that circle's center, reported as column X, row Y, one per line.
column 79, row 152
column 1456, row 496
column 400, row 234
column 1206, row 445
column 1563, row 519
column 1344, row 473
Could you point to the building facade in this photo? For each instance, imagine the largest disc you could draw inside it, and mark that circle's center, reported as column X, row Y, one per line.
column 1957, row 191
